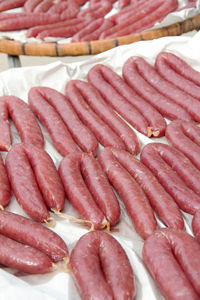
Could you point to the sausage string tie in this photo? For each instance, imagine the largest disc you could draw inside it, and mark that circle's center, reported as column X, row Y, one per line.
column 74, row 218
column 60, row 268
column 51, row 222
column 1, row 207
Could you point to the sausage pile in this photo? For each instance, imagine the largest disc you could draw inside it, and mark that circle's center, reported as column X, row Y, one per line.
column 105, row 111
column 66, row 18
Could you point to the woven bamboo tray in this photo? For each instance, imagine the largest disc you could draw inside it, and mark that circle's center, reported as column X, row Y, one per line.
column 93, row 47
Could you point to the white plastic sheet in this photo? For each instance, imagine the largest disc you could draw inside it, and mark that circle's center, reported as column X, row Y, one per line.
column 58, row 285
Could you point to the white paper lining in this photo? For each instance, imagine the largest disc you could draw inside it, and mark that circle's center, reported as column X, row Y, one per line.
column 57, row 285
column 174, row 17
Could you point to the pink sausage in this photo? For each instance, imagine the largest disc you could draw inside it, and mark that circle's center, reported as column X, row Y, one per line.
column 77, row 192
column 185, row 136
column 47, row 177
column 97, row 104
column 5, row 192
column 72, row 10
column 28, row 232
column 104, row 134
column 98, row 185
column 97, row 77
column 173, row 259
column 24, row 185
column 10, row 4
column 90, row 28
column 155, row 122
column 23, row 258
column 59, row 133
column 97, row 11
column 80, row 133
column 165, row 106
column 123, row 3
column 5, row 132
column 164, row 206
column 101, row 269
column 164, row 87
column 58, row 7
column 43, row 6
column 186, row 199
column 178, row 72
column 23, row 119
column 28, row 21
column 134, row 199
column 30, row 5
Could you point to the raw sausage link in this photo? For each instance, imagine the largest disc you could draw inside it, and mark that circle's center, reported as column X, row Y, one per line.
column 167, row 89
column 90, row 28
column 30, row 5
column 173, row 259
column 43, row 6
column 99, row 186
column 155, row 122
column 104, row 134
column 96, row 76
column 123, row 3
column 72, row 10
column 164, row 206
column 23, row 258
column 135, row 201
column 5, row 192
column 98, row 105
column 80, row 133
column 196, row 225
column 24, row 185
column 179, row 73
column 10, row 4
column 59, row 133
column 5, row 132
column 166, row 107
column 185, row 136
column 101, row 268
column 181, row 165
column 47, row 177
column 28, row 232
column 24, row 120
column 27, row 21
column 97, row 11
column 186, row 199
column 77, row 191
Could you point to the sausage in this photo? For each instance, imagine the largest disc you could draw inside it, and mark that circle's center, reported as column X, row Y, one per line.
column 101, row 74
column 24, row 185
column 99, row 186
column 22, row 257
column 30, row 5
column 147, row 21
column 10, row 4
column 5, row 132
column 123, row 3
column 64, row 31
column 101, row 269
column 165, row 106
column 186, row 199
column 90, row 28
column 43, row 6
column 24, row 121
column 58, row 7
column 185, row 136
column 104, row 134
column 164, row 87
column 181, row 165
column 5, row 192
column 133, row 197
column 179, row 73
column 59, row 133
column 96, row 76
column 173, row 259
column 107, row 115
column 161, row 202
column 88, row 190
column 33, row 234
column 96, row 11
column 72, row 10
column 47, row 177
column 27, row 21
column 36, row 30
column 80, row 133
column 95, row 34
column 196, row 225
